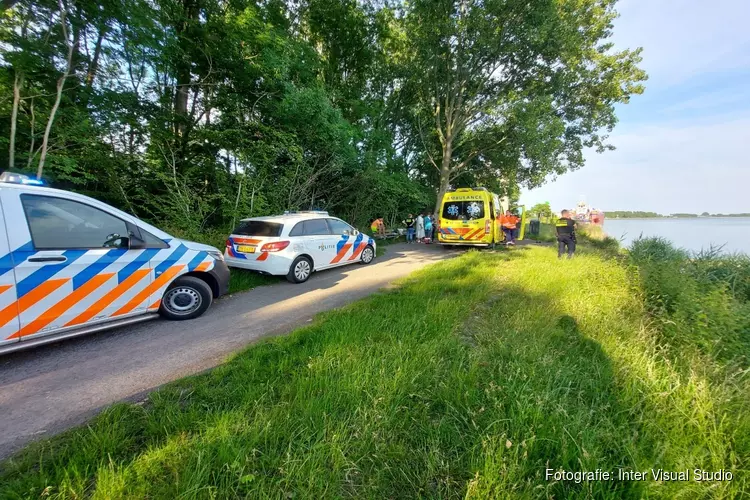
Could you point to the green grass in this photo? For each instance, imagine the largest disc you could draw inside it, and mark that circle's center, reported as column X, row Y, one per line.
column 546, row 233
column 241, row 280
column 467, row 381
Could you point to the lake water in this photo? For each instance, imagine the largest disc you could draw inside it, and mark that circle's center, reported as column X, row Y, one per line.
column 691, row 234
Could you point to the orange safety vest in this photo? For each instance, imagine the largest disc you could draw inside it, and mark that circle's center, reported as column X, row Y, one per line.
column 509, row 222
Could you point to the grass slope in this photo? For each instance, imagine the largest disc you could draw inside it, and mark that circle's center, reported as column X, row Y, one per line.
column 469, row 380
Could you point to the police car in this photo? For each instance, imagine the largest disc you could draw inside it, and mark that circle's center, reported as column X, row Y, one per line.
column 296, row 244
column 71, row 265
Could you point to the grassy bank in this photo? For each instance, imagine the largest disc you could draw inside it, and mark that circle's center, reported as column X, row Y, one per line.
column 469, row 380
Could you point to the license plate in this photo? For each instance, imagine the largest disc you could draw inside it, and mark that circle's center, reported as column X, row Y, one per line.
column 450, row 236
column 245, row 249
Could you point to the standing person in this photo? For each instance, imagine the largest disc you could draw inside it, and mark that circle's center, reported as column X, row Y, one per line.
column 428, row 228
column 409, row 222
column 509, row 222
column 566, row 235
column 420, row 228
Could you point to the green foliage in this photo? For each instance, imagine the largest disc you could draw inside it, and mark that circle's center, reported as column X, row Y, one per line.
column 629, row 214
column 701, row 300
column 197, row 113
column 541, row 211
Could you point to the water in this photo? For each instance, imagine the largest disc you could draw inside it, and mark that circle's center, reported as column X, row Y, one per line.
column 691, row 234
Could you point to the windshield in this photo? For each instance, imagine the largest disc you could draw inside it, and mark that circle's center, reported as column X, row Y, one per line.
column 258, row 228
column 463, row 210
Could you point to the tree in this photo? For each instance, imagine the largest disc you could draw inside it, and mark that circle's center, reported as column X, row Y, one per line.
column 514, row 86
column 541, row 210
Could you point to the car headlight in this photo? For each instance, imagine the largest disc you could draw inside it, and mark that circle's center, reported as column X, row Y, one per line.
column 217, row 255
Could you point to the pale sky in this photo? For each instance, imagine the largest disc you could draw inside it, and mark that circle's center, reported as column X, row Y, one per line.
column 683, row 145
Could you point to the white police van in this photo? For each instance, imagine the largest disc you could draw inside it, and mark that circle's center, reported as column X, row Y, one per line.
column 296, row 244
column 71, row 265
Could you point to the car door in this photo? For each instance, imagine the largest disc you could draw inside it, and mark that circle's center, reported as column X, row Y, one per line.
column 349, row 242
column 8, row 305
column 75, row 266
column 318, row 242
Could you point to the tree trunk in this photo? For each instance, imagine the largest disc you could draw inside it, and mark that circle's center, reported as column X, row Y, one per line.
column 31, row 136
column 17, row 84
column 94, row 66
column 445, row 173
column 183, row 75
column 58, row 97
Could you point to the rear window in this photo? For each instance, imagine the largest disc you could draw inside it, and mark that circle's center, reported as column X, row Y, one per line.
column 258, row 228
column 463, row 210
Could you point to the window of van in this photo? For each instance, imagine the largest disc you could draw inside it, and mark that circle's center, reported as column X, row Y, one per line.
column 60, row 224
column 463, row 210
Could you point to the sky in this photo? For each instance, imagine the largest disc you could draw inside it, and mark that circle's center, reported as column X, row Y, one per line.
column 683, row 145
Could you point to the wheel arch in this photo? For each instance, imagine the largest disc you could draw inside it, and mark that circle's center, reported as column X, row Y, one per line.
column 306, row 255
column 208, row 278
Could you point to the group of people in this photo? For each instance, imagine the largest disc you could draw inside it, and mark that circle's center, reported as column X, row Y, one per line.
column 420, row 229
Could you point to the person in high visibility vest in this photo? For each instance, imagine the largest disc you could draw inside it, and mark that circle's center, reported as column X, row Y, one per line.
column 566, row 235
column 378, row 227
column 509, row 222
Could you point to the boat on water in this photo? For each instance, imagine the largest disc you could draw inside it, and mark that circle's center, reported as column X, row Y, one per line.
column 587, row 215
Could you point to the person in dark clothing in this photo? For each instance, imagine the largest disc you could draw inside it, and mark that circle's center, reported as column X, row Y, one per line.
column 566, row 235
column 410, row 222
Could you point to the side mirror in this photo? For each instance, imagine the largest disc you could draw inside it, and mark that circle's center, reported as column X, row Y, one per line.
column 114, row 240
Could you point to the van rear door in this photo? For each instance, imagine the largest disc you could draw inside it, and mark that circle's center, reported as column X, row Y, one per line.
column 8, row 306
column 463, row 220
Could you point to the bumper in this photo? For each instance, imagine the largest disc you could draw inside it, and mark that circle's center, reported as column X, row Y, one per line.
column 464, row 244
column 220, row 272
column 275, row 264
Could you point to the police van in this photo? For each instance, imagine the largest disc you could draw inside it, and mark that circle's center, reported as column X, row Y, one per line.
column 71, row 265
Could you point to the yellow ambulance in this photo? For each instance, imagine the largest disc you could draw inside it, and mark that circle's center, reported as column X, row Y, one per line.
column 468, row 217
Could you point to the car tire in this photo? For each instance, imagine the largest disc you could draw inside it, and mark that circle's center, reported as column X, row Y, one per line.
column 300, row 270
column 186, row 298
column 368, row 254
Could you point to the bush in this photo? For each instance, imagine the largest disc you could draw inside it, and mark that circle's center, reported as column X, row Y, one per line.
column 699, row 299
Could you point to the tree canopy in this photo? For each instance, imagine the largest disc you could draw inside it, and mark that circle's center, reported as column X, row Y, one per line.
column 194, row 113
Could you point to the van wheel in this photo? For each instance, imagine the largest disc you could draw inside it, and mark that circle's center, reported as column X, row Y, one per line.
column 186, row 298
column 300, row 270
column 367, row 255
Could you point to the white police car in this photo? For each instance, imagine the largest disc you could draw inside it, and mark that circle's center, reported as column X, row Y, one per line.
column 296, row 244
column 71, row 265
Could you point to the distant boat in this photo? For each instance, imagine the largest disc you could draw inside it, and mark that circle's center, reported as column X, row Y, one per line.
column 587, row 215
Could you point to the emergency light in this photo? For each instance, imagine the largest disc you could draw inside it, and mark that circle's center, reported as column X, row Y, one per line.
column 313, row 212
column 14, row 178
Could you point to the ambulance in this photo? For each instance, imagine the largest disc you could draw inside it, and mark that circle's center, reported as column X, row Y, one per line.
column 71, row 265
column 468, row 217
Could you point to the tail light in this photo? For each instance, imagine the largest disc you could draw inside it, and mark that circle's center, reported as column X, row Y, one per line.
column 487, row 226
column 276, row 246
column 229, row 243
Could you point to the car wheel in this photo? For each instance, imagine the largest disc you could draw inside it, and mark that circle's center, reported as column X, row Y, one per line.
column 186, row 298
column 300, row 270
column 367, row 255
